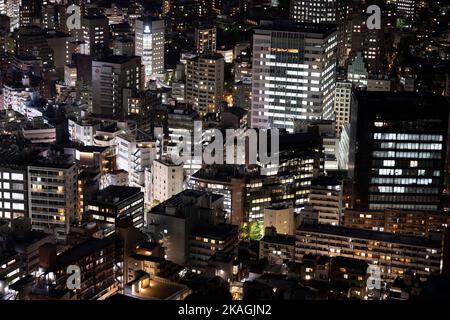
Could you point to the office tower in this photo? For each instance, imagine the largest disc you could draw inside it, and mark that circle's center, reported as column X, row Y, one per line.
column 95, row 34
column 357, row 71
column 398, row 144
column 247, row 194
column 406, row 10
column 149, row 45
column 371, row 42
column 342, row 104
column 10, row 272
column 114, row 204
column 204, row 82
column 228, row 181
column 167, row 180
column 13, row 11
column 30, row 12
column 293, row 74
column 392, row 253
column 59, row 44
column 31, row 42
column 205, row 39
column 325, row 11
column 52, row 202
column 13, row 182
column 111, row 76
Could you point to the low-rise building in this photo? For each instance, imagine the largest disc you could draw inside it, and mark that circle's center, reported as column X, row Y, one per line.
column 393, row 254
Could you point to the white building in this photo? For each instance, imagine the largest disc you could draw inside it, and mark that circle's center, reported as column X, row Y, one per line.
column 83, row 131
column 293, row 74
column 13, row 186
column 15, row 96
column 167, row 180
column 149, row 45
column 135, row 153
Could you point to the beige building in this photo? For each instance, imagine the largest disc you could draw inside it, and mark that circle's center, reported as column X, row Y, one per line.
column 280, row 217
column 167, row 179
column 342, row 104
column 205, row 39
column 204, row 82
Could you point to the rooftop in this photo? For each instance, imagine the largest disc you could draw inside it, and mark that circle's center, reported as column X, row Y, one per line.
column 62, row 161
column 290, row 26
column 219, row 231
column 116, row 59
column 148, row 287
column 113, row 195
column 369, row 235
column 279, row 239
column 83, row 250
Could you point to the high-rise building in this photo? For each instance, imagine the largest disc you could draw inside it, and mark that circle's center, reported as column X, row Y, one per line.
column 31, row 42
column 373, row 43
column 204, row 82
column 325, row 11
column 342, row 103
column 13, row 184
column 52, row 204
column 293, row 74
column 357, row 71
column 95, row 34
column 398, row 145
column 29, row 12
column 110, row 77
column 149, row 45
column 406, row 9
column 205, row 39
